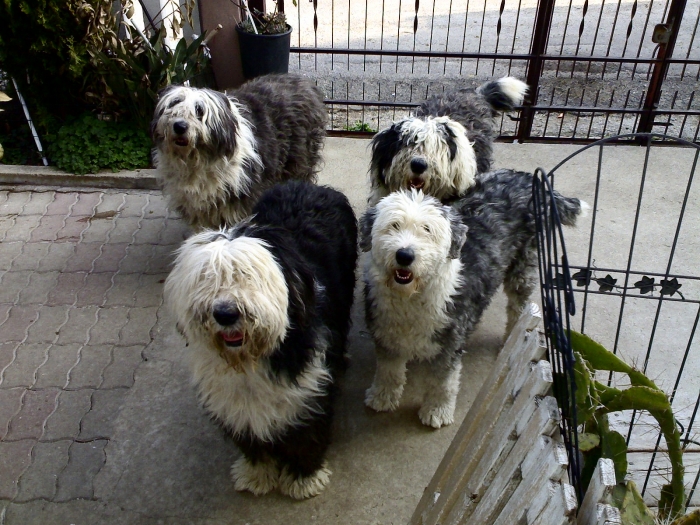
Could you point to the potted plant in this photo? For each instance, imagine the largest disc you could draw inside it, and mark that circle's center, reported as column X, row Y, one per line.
column 264, row 40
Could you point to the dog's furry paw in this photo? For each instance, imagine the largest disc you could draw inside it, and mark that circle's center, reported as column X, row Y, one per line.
column 383, row 399
column 306, row 487
column 259, row 479
column 437, row 416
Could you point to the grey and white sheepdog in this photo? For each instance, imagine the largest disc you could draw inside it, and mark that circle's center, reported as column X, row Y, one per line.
column 265, row 307
column 445, row 144
column 432, row 270
column 217, row 154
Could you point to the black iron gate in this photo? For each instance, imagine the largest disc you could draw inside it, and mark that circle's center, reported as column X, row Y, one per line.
column 595, row 69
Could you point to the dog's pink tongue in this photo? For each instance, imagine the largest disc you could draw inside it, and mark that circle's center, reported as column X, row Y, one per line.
column 233, row 338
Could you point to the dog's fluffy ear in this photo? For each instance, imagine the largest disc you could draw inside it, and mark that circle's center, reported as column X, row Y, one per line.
column 224, row 125
column 459, row 233
column 366, row 224
column 385, row 145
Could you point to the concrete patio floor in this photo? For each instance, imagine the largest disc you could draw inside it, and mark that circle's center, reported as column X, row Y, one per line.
column 99, row 423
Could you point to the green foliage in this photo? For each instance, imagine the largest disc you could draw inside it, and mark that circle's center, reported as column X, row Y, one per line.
column 272, row 23
column 88, row 145
column 633, row 510
column 594, row 401
column 360, row 126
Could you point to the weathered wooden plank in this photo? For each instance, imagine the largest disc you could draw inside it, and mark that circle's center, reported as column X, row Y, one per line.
column 545, row 421
column 482, row 405
column 599, row 491
column 561, row 507
column 607, row 515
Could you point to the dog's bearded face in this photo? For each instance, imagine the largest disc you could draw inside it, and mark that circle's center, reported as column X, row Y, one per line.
column 431, row 154
column 189, row 122
column 229, row 294
column 410, row 236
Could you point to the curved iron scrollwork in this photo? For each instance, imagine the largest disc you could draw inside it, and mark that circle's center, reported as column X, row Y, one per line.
column 646, row 285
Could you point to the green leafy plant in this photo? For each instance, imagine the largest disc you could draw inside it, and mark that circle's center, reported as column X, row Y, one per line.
column 360, row 126
column 272, row 23
column 88, row 145
column 594, row 401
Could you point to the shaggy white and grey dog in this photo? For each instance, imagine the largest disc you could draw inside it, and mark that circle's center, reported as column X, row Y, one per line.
column 445, row 144
column 265, row 308
column 431, row 272
column 217, row 154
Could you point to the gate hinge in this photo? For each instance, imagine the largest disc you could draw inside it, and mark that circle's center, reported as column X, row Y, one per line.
column 661, row 34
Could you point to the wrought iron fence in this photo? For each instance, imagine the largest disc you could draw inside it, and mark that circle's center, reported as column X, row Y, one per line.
column 632, row 272
column 595, row 69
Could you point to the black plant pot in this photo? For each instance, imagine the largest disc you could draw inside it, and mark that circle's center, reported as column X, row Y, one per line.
column 264, row 54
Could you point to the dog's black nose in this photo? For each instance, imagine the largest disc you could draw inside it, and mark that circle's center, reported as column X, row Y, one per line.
column 226, row 314
column 180, row 127
column 405, row 256
column 418, row 165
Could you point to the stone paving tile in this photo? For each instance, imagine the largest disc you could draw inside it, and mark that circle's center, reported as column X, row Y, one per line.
column 12, row 284
column 6, row 224
column 95, row 289
column 134, row 205
column 31, row 256
column 64, row 423
column 87, row 202
column 22, row 371
column 20, row 319
column 124, row 288
column 38, row 202
column 7, row 355
column 48, row 227
column 99, row 421
column 39, row 480
column 175, row 232
column 138, row 329
column 56, row 257
column 157, row 206
column 150, row 230
column 76, row 330
column 54, row 371
column 86, row 460
column 14, row 459
column 37, row 406
column 10, row 251
column 62, row 204
column 120, row 372
column 88, row 372
column 137, row 259
column 109, row 325
column 22, row 228
column 110, row 258
column 83, row 256
column 37, row 291
column 124, row 230
column 4, row 313
column 110, row 202
column 98, row 230
column 72, row 229
column 150, row 290
column 45, row 329
column 15, row 203
column 10, row 402
column 66, row 290
column 162, row 259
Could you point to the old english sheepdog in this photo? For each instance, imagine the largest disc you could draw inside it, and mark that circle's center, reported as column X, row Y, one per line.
column 217, row 154
column 265, row 309
column 448, row 141
column 432, row 270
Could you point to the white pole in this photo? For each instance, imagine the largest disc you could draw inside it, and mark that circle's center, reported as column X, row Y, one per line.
column 31, row 124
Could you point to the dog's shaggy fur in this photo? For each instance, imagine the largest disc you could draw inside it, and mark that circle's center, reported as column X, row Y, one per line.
column 265, row 308
column 216, row 154
column 431, row 272
column 448, row 141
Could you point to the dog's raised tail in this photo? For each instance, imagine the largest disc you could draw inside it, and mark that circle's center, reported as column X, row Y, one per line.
column 504, row 94
column 570, row 209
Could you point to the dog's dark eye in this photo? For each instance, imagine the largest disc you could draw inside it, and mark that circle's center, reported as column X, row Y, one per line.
column 395, row 226
column 174, row 102
column 199, row 109
column 426, row 228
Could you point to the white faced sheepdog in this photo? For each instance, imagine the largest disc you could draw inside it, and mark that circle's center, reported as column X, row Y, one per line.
column 432, row 270
column 265, row 309
column 216, row 154
column 448, row 141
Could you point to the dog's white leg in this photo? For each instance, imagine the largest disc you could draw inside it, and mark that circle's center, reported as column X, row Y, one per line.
column 442, row 387
column 386, row 390
column 259, row 478
column 302, row 487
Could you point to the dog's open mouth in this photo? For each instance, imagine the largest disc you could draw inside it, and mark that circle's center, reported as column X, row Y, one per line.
column 181, row 141
column 403, row 276
column 416, row 183
column 232, row 340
